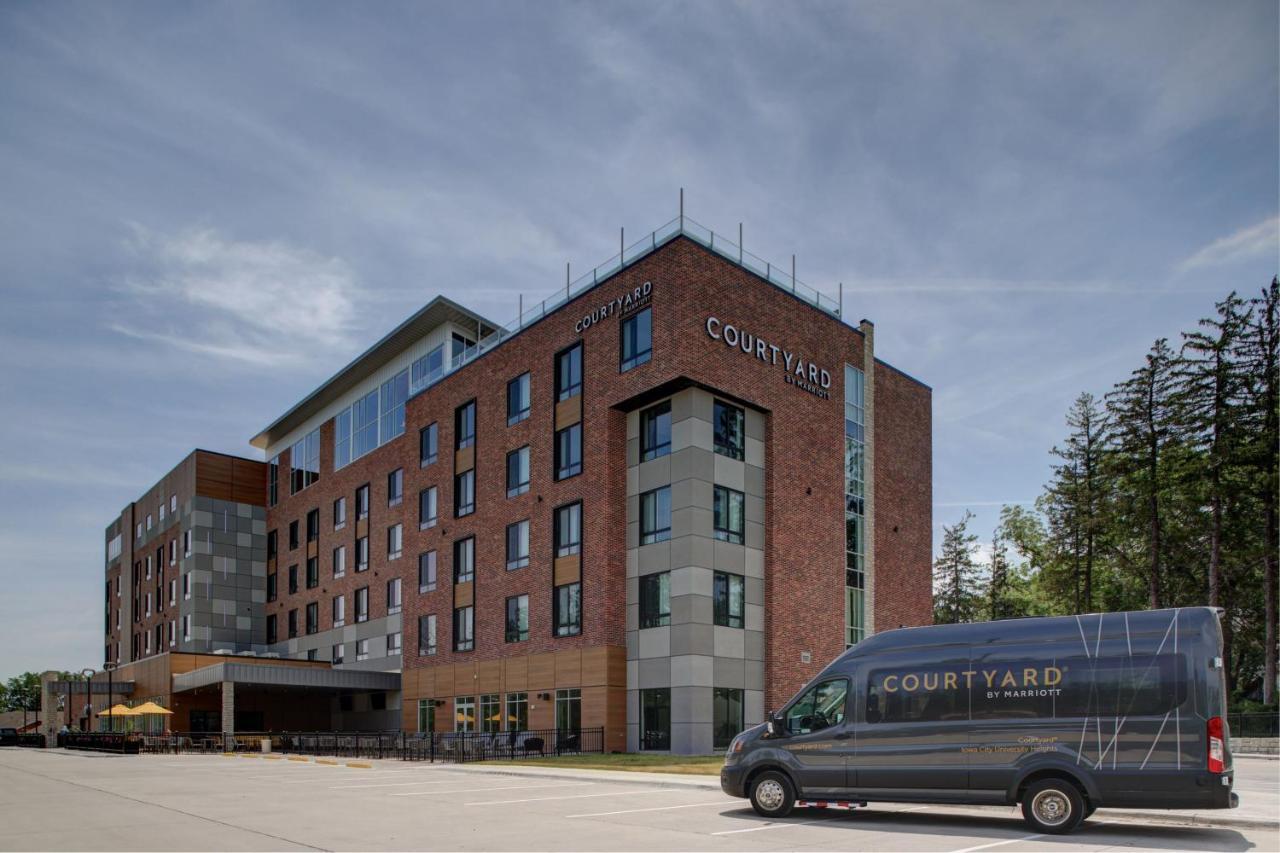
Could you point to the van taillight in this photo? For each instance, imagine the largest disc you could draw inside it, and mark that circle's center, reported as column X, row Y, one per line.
column 1217, row 746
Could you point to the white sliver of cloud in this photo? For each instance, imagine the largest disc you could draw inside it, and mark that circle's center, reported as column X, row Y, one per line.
column 1246, row 243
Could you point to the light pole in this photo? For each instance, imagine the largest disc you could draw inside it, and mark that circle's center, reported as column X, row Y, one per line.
column 87, row 674
column 110, row 668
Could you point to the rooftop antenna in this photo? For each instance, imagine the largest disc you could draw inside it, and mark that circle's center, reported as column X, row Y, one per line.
column 566, row 280
column 840, row 308
column 682, row 208
column 793, row 273
column 739, row 244
column 622, row 244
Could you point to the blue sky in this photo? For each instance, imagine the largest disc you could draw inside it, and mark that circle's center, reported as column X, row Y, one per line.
column 205, row 209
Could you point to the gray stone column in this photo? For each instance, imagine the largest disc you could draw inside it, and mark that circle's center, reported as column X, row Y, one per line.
column 228, row 708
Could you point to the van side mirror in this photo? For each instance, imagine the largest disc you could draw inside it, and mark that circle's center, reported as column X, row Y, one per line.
column 777, row 725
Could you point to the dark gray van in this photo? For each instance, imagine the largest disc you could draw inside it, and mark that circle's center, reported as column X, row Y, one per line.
column 1063, row 714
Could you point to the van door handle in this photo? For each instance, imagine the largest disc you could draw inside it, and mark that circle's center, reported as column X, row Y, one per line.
column 842, row 736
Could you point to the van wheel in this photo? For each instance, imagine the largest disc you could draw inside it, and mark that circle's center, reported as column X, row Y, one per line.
column 1053, row 806
column 772, row 796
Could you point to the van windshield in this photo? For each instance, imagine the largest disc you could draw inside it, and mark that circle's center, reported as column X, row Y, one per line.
column 821, row 706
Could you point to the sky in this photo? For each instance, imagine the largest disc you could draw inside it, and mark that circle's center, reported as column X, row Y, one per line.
column 207, row 209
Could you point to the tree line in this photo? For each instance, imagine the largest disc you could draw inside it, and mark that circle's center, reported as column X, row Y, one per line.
column 1163, row 493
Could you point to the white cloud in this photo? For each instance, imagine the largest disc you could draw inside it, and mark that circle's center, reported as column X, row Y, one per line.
column 1246, row 243
column 258, row 303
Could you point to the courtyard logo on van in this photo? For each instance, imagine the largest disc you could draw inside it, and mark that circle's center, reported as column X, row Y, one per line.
column 1000, row 683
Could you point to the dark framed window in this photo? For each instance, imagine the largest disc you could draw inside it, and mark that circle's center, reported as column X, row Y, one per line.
column 636, row 340
column 426, row 571
column 395, row 487
column 273, row 481
column 273, row 635
column 518, row 472
column 655, row 516
column 427, row 508
column 337, row 655
column 655, row 718
column 566, row 607
column 428, row 445
column 304, row 462
column 313, row 572
column 518, row 545
column 293, row 623
column 517, row 628
column 362, row 554
column 464, row 425
column 293, row 535
column 464, row 493
column 395, row 541
column 464, row 560
column 272, row 590
column 728, row 594
column 313, row 617
column 338, row 611
column 655, row 431
column 362, row 502
column 339, row 513
column 313, row 525
column 727, row 423
column 340, row 561
column 726, row 716
column 569, row 372
column 464, row 629
column 728, row 514
column 569, row 452
column 273, row 544
column 427, row 635
column 394, row 601
column 518, row 399
column 655, row 600
column 293, row 579
column 362, row 604
column 568, row 529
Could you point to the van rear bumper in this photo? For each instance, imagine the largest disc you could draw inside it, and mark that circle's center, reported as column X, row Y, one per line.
column 1168, row 790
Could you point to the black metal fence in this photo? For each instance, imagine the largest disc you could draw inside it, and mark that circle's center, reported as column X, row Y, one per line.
column 486, row 746
column 338, row 744
column 35, row 741
column 1254, row 725
column 124, row 744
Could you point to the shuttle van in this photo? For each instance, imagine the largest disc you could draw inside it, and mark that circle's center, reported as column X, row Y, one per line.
column 1062, row 715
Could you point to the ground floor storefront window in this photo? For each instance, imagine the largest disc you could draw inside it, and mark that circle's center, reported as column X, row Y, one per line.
column 726, row 705
column 426, row 715
column 655, row 718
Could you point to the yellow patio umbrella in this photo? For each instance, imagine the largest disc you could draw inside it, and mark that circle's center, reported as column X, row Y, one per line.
column 118, row 712
column 151, row 708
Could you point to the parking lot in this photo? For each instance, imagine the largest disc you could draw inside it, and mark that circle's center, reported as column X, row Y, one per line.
column 50, row 799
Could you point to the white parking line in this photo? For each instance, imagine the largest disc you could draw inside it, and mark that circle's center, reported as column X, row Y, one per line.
column 655, row 809
column 491, row 788
column 571, row 797
column 388, row 785
column 1000, row 843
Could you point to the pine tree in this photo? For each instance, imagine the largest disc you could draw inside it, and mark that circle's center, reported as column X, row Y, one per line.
column 957, row 586
column 1074, row 496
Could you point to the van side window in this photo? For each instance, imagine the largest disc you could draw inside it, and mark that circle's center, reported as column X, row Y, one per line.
column 820, row 707
column 916, row 695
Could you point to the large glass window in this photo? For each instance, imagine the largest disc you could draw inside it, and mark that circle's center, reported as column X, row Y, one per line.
column 464, row 629
column 569, row 452
column 518, row 399
column 464, row 560
column 655, row 600
column 342, row 439
column 567, row 609
column 569, row 710
column 464, row 714
column 427, row 635
column 726, row 716
column 727, row 423
column 395, row 391
column 426, row 715
column 821, row 706
column 273, row 485
column 854, row 506
column 655, row 431
column 637, row 339
column 364, row 424
column 728, row 594
column 517, row 712
column 426, row 571
column 428, row 369
column 464, row 493
column 518, row 545
column 517, row 627
column 305, row 462
column 655, row 718
column 491, row 712
column 729, row 522
column 518, row 472
column 568, row 530
column 428, row 444
column 569, row 372
column 464, row 425
column 427, row 507
column 655, row 516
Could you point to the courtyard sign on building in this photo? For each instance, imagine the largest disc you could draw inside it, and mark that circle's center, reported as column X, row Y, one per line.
column 799, row 372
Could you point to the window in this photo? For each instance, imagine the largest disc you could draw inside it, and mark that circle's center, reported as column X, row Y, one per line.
column 313, row 572
column 173, row 504
column 729, row 523
column 637, row 340
column 518, row 545
column 569, row 451
column 313, row 617
column 426, row 571
column 518, row 472
column 517, row 712
column 395, row 540
column 655, row 516
column 655, row 431
column 395, row 391
column 818, row 708
column 273, row 480
column 569, row 372
column 726, row 716
column 340, row 513
column 518, row 399
column 148, row 521
column 464, row 493
column 293, row 623
column 569, row 710
column 464, row 714
column 393, row 596
column 338, row 655
column 655, row 600
column 727, row 592
column 362, row 502
column 427, row 635
column 427, row 445
column 293, row 535
column 148, row 600
column 162, row 508
column 272, row 591
column 272, row 634
column 362, row 650
column 567, row 607
column 186, row 543
column 490, row 713
column 362, row 604
column 655, row 718
column 186, row 627
column 342, row 438
column 393, row 643
column 186, row 590
column 458, row 346
column 339, row 611
column 464, row 560
column 293, row 579
column 313, row 525
column 464, row 425
column 427, row 507
column 362, row 554
column 517, row 618
column 727, row 423
column 173, row 552
column 304, row 462
column 568, row 530
column 173, row 633
column 854, row 505
column 340, row 561
column 428, row 369
column 395, row 487
column 464, row 629
column 148, row 564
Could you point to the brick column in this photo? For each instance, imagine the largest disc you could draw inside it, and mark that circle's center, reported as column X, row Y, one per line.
column 228, row 708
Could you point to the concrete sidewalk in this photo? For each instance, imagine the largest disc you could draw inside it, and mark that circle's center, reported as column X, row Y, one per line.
column 1245, row 817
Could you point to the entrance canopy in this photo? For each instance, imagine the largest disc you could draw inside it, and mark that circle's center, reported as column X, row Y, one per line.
column 306, row 678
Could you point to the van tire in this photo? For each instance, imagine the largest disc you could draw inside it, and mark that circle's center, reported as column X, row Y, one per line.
column 772, row 794
column 1053, row 806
